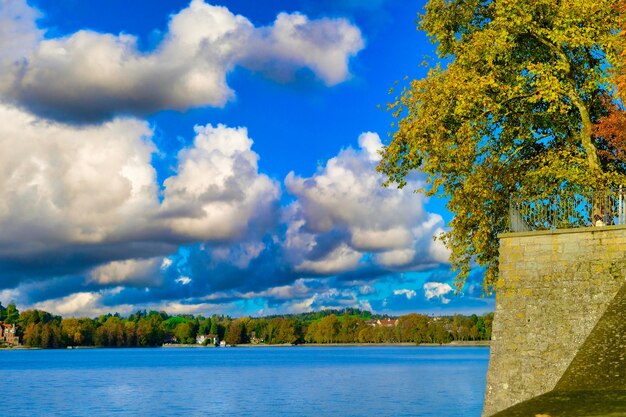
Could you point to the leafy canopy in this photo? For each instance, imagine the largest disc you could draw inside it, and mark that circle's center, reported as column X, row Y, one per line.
column 510, row 109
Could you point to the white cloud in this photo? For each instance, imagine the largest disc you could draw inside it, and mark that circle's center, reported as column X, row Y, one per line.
column 176, row 307
column 167, row 262
column 367, row 290
column 183, row 280
column 365, row 305
column 397, row 257
column 408, row 293
column 62, row 185
column 18, row 31
column 343, row 212
column 297, row 290
column 92, row 191
column 90, row 304
column 91, row 76
column 371, row 145
column 323, row 45
column 341, row 259
column 86, row 200
column 130, row 272
column 437, row 290
column 8, row 295
column 81, row 304
column 438, row 250
column 301, row 306
column 218, row 189
column 239, row 255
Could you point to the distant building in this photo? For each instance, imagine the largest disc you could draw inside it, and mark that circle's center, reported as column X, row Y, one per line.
column 213, row 339
column 255, row 340
column 8, row 334
column 382, row 322
column 387, row 322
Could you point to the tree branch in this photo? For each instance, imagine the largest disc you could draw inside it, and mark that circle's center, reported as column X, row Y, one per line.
column 585, row 131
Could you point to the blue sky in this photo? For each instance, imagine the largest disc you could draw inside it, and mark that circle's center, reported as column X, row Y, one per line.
column 212, row 157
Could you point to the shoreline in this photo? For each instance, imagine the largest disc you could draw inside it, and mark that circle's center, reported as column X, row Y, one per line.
column 399, row 344
column 479, row 343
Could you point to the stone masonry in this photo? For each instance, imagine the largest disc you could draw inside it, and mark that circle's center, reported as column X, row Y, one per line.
column 554, row 287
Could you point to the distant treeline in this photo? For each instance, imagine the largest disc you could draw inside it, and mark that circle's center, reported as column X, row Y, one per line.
column 38, row 328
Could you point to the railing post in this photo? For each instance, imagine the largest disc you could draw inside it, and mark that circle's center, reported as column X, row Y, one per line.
column 620, row 210
column 555, row 206
column 566, row 210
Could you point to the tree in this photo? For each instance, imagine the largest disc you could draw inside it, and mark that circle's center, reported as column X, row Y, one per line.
column 149, row 331
column 236, row 332
column 281, row 330
column 204, row 325
column 70, row 330
column 311, row 333
column 328, row 329
column 510, row 110
column 621, row 64
column 409, row 327
column 32, row 335
column 350, row 327
column 12, row 314
column 111, row 333
column 51, row 335
column 186, row 332
column 130, row 334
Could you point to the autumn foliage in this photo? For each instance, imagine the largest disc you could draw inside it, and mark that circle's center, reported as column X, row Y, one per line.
column 610, row 129
column 522, row 102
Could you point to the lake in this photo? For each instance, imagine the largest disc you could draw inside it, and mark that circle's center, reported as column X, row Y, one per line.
column 240, row 381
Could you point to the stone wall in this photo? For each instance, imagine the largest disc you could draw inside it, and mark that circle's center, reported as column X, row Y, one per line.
column 554, row 286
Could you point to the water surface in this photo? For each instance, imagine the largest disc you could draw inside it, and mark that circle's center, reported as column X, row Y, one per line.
column 260, row 381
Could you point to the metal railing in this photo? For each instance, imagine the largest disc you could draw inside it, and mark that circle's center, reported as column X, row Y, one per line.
column 568, row 210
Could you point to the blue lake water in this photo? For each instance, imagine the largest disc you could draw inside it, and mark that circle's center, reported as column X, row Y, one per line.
column 260, row 381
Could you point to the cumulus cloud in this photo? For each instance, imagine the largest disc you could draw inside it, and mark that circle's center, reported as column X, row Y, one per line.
column 331, row 298
column 217, row 189
column 341, row 259
column 89, row 76
column 342, row 213
column 130, row 272
column 19, row 34
column 87, row 227
column 72, row 198
column 81, row 304
column 93, row 304
column 298, row 289
column 306, row 295
column 408, row 293
column 323, row 45
column 61, row 185
column 437, row 290
column 81, row 209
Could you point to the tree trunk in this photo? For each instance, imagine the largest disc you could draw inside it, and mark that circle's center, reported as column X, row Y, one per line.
column 585, row 131
column 585, row 134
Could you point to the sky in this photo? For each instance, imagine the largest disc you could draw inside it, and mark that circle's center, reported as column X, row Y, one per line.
column 213, row 157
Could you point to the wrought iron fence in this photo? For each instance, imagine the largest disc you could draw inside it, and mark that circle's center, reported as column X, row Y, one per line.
column 569, row 210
